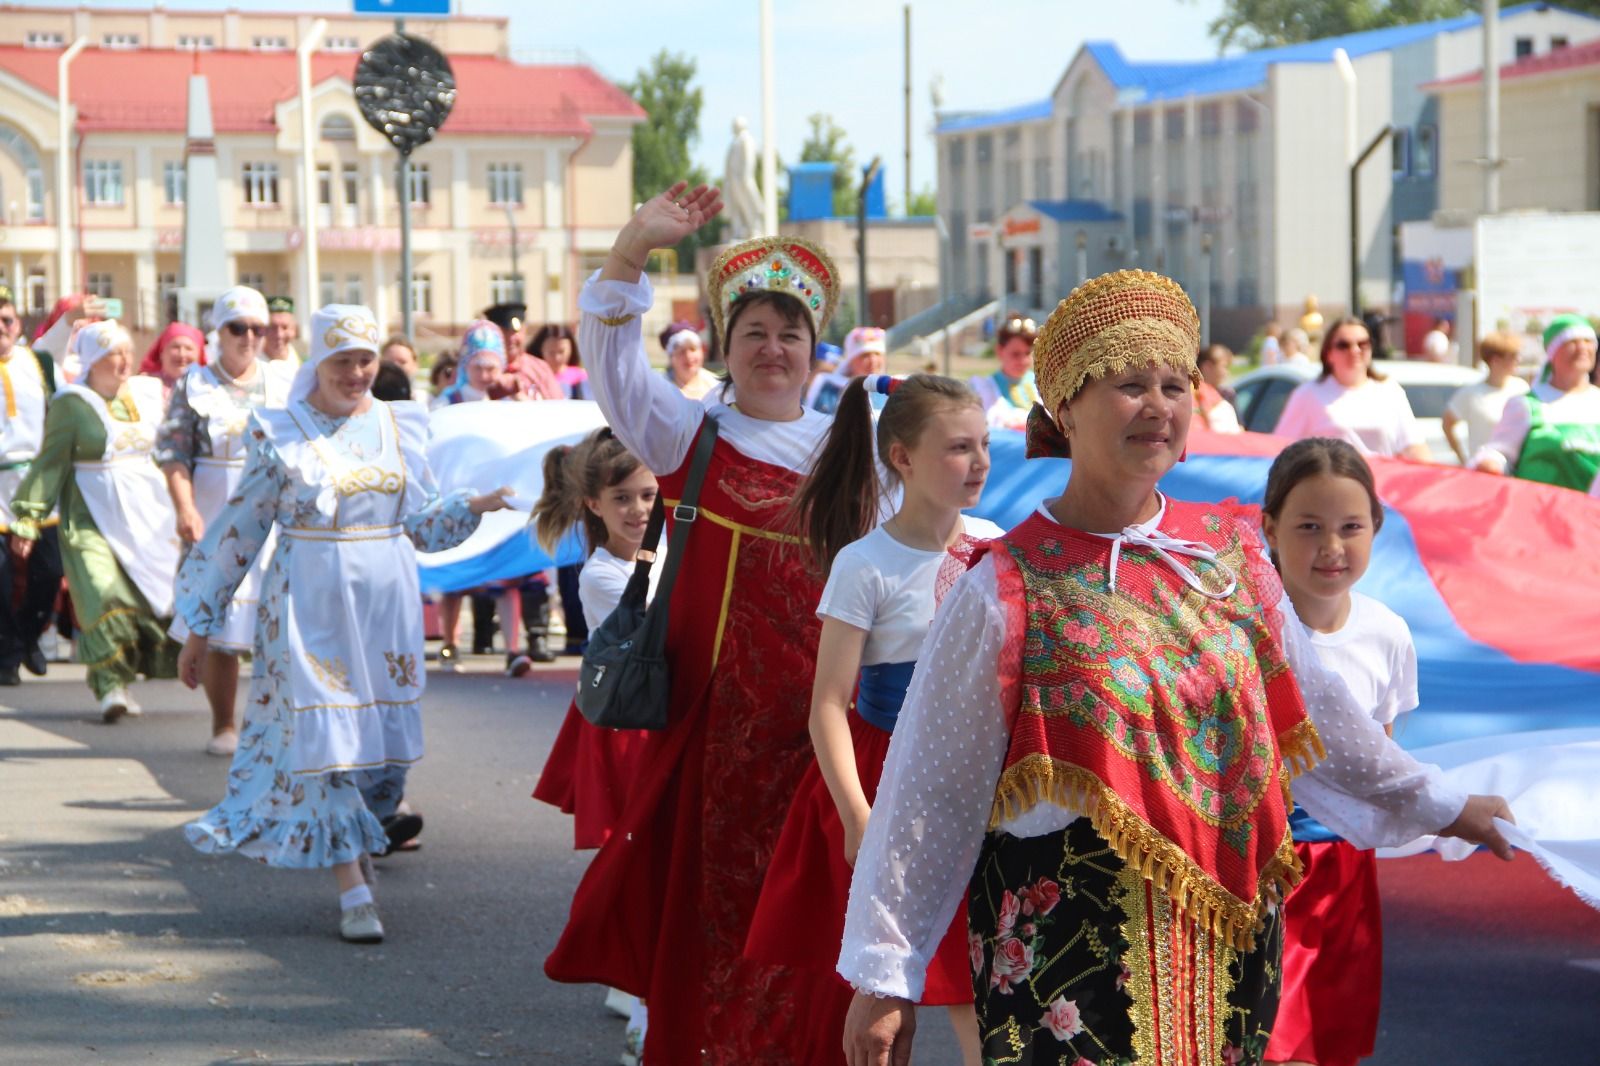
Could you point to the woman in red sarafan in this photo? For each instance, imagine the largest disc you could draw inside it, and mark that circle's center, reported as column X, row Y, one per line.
column 665, row 907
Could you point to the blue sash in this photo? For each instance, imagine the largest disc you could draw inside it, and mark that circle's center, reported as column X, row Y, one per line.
column 882, row 690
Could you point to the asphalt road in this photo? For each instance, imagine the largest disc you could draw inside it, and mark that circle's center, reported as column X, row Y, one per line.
column 118, row 943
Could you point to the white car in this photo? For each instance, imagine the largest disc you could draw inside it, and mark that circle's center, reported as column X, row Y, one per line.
column 1262, row 393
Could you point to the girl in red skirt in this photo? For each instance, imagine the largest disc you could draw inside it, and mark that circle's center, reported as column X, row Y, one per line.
column 880, row 597
column 600, row 485
column 1320, row 515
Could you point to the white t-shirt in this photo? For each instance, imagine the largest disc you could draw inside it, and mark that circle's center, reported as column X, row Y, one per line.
column 887, row 588
column 603, row 579
column 1480, row 406
column 1375, row 416
column 1373, row 655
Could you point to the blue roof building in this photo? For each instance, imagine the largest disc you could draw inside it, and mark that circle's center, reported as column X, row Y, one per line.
column 1231, row 174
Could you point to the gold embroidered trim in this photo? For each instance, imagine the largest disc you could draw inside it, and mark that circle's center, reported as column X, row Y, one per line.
column 1041, row 779
column 615, row 320
column 357, row 766
column 331, row 671
column 402, row 669
column 727, row 596
column 739, row 527
column 1301, row 748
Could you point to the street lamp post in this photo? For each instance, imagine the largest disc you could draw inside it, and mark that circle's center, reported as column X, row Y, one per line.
column 1355, row 218
column 65, row 281
column 863, row 318
column 516, row 274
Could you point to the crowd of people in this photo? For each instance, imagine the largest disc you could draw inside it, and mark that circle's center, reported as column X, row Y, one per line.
column 1104, row 786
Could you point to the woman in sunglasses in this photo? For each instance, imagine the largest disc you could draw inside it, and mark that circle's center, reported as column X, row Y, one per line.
column 1009, row 393
column 201, row 450
column 1351, row 401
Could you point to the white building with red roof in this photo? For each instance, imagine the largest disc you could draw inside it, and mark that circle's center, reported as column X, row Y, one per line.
column 546, row 146
column 1549, row 134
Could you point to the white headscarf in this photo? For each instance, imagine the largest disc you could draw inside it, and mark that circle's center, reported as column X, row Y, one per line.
column 241, row 301
column 335, row 328
column 96, row 341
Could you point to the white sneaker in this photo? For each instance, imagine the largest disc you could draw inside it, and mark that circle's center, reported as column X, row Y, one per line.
column 224, row 743
column 360, row 925
column 633, row 1036
column 114, row 704
column 134, row 710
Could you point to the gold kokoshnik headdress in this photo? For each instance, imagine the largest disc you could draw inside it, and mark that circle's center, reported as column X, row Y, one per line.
column 1109, row 324
column 773, row 264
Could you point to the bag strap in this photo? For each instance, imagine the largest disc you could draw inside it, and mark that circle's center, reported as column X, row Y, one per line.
column 683, row 516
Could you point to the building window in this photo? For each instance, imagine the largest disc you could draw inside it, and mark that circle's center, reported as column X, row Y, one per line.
column 261, row 184
column 269, row 43
column 325, row 293
column 45, row 39
column 351, row 176
column 36, row 290
column 1524, row 47
column 325, row 185
column 1425, row 152
column 167, row 296
column 254, row 281
column 341, row 44
column 1210, row 120
column 421, row 185
column 1557, row 42
column 1173, row 124
column 505, row 183
column 1246, row 114
column 102, row 182
column 353, row 289
column 422, row 293
column 22, row 152
column 1141, row 128
column 338, row 128
column 505, row 289
column 957, row 157
column 174, row 181
column 983, row 158
column 99, row 285
column 196, row 42
column 120, row 40
column 1400, row 143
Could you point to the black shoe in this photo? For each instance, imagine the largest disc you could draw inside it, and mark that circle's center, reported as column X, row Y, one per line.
column 35, row 661
column 10, row 676
column 517, row 664
column 400, row 828
column 539, row 648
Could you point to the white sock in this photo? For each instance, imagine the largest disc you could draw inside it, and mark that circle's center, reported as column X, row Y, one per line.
column 355, row 897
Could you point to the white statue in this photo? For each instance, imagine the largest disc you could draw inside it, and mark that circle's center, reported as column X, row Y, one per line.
column 740, row 193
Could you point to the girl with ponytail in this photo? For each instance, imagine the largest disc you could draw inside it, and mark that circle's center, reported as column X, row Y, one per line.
column 932, row 441
column 601, row 487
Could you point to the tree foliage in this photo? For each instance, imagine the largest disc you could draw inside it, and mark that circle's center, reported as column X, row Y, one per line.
column 666, row 90
column 826, row 144
column 1267, row 23
column 925, row 202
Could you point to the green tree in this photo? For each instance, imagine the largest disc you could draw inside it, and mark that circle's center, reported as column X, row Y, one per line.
column 661, row 144
column 826, row 144
column 1253, row 24
column 924, row 202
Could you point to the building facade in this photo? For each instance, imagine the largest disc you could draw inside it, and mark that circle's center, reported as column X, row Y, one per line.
column 541, row 151
column 1230, row 175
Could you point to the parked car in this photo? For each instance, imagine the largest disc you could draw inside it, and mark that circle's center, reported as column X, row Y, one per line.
column 1262, row 394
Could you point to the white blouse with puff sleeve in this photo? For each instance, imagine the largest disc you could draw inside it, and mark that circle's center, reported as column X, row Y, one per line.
column 949, row 745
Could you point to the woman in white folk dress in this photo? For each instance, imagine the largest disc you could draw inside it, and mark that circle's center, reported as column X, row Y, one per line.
column 334, row 716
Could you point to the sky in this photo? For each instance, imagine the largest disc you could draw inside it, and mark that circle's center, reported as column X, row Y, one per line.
column 844, row 58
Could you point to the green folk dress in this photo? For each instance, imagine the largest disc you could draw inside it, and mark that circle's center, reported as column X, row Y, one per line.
column 120, row 637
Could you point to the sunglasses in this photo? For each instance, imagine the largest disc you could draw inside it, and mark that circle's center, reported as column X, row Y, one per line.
column 1345, row 346
column 239, row 329
column 7, row 320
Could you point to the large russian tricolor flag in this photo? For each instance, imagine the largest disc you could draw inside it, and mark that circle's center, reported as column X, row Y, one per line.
column 1499, row 580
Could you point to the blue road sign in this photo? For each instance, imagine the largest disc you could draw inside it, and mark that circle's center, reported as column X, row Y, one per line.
column 402, row 7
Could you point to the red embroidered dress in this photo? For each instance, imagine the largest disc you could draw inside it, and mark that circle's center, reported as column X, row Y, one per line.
column 664, row 909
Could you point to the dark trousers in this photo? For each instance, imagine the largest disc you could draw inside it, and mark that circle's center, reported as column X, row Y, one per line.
column 27, row 596
column 571, row 607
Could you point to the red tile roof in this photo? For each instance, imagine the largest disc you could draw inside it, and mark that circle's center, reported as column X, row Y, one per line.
column 1572, row 57
column 146, row 90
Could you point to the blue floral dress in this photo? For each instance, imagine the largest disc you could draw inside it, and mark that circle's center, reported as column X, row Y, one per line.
column 334, row 714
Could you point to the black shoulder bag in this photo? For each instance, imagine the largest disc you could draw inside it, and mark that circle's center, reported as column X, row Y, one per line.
column 624, row 681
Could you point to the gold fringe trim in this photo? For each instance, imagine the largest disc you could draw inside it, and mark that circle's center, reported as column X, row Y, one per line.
column 1041, row 779
column 1301, row 748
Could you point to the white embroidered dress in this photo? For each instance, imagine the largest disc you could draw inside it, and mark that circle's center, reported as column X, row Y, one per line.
column 336, row 687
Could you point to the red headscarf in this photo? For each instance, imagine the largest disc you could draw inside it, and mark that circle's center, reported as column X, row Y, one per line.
column 152, row 358
column 63, row 305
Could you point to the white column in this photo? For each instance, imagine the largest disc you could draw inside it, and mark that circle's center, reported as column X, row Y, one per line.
column 1226, row 266
column 556, row 220
column 144, row 201
column 555, row 205
column 380, row 172
column 18, row 283
column 1191, row 180
column 461, row 295
column 460, row 188
column 379, row 300
column 147, row 313
column 1128, row 181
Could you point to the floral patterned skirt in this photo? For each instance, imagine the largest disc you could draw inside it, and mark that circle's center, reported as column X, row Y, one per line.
column 1079, row 960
